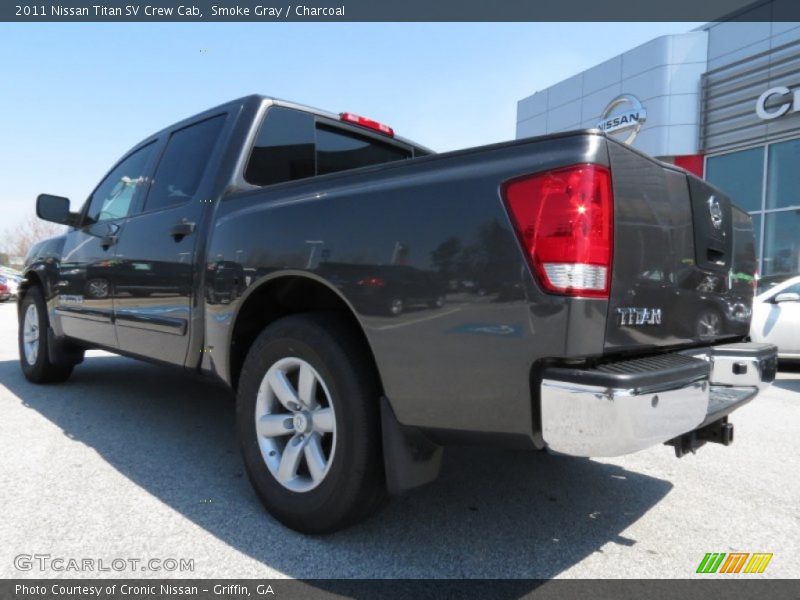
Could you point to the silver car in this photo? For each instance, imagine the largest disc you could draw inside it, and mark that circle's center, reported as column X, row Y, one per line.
column 776, row 318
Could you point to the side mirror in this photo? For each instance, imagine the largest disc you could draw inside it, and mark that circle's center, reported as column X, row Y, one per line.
column 787, row 297
column 55, row 209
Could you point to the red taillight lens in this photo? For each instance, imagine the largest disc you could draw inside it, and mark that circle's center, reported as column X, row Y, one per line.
column 368, row 123
column 564, row 219
column 372, row 282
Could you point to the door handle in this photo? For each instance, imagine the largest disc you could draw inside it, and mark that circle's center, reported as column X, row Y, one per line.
column 107, row 241
column 181, row 230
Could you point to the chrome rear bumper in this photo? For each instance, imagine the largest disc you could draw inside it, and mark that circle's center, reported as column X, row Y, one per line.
column 627, row 406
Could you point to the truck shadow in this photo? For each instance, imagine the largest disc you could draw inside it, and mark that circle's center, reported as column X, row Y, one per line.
column 786, row 381
column 492, row 513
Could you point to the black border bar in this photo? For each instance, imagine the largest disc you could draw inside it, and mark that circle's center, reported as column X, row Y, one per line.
column 741, row 587
column 397, row 10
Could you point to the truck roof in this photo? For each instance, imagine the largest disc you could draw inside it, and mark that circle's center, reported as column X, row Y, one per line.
column 270, row 100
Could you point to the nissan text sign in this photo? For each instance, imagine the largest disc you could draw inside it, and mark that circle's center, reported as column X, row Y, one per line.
column 624, row 117
column 791, row 102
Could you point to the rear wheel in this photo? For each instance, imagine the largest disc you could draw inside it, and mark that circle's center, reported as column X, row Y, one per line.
column 34, row 356
column 308, row 423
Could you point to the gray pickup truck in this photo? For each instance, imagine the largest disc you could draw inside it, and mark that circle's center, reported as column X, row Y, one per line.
column 371, row 302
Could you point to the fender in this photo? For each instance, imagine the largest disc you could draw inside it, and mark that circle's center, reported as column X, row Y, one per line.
column 276, row 276
column 42, row 265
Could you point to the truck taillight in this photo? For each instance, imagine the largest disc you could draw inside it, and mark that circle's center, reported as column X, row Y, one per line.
column 371, row 282
column 368, row 123
column 564, row 220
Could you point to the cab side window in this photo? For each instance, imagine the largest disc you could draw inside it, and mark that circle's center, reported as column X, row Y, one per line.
column 114, row 196
column 284, row 148
column 183, row 163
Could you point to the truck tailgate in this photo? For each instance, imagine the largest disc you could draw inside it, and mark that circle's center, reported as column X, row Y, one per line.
column 684, row 258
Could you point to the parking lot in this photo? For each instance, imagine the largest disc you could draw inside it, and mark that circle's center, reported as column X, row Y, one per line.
column 132, row 460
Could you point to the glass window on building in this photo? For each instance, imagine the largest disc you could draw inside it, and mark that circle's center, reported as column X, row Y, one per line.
column 757, row 233
column 783, row 175
column 781, row 243
column 740, row 175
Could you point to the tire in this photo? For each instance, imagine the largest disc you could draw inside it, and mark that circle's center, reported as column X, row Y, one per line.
column 351, row 484
column 34, row 358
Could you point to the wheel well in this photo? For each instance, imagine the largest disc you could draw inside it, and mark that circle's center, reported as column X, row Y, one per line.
column 30, row 280
column 281, row 297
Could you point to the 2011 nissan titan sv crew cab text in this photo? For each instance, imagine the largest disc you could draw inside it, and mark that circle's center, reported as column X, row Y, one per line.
column 370, row 301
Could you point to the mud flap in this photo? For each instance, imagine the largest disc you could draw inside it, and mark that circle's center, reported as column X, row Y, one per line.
column 410, row 458
column 63, row 352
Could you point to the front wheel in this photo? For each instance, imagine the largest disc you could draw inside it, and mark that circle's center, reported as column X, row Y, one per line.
column 34, row 356
column 308, row 423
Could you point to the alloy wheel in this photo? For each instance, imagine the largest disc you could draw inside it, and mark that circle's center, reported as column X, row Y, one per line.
column 30, row 334
column 296, row 424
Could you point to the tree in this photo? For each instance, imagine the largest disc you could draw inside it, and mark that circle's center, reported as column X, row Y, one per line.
column 445, row 257
column 19, row 240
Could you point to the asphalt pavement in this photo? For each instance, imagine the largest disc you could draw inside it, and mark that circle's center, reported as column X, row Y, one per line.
column 129, row 460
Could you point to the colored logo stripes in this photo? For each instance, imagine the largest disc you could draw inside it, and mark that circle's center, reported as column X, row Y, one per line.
column 735, row 562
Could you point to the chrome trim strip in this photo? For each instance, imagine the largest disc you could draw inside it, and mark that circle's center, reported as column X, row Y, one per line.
column 90, row 314
column 151, row 322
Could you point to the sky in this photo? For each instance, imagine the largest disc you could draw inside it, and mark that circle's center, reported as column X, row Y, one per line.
column 74, row 97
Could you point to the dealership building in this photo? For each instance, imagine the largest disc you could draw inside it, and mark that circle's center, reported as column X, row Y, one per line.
column 722, row 101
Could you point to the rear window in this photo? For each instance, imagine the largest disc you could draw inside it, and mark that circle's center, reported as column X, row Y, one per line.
column 290, row 146
column 339, row 150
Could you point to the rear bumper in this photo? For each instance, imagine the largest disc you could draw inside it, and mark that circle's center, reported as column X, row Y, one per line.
column 627, row 406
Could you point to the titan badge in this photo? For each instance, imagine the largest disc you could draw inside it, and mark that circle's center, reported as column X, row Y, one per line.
column 636, row 316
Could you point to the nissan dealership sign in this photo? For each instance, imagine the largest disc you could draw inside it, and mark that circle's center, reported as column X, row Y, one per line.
column 623, row 118
column 788, row 101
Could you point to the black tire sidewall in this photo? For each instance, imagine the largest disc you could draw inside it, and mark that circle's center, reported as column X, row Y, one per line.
column 43, row 370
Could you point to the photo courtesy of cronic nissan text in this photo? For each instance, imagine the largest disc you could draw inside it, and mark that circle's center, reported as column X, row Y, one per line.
column 403, row 300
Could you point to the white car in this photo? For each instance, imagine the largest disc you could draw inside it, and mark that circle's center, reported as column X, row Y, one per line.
column 776, row 318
